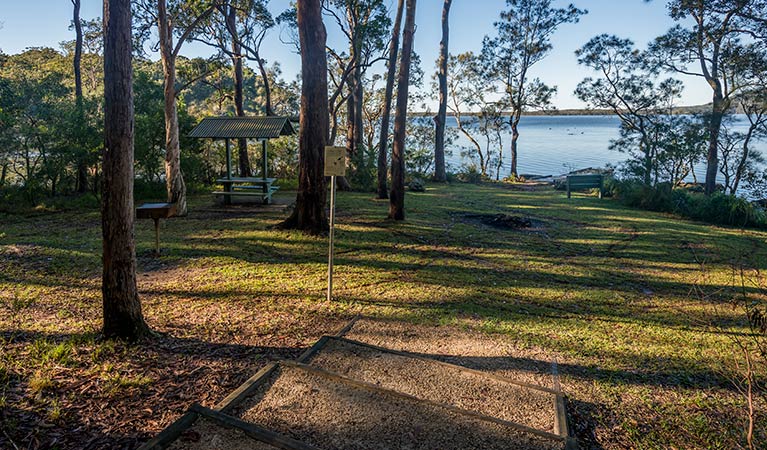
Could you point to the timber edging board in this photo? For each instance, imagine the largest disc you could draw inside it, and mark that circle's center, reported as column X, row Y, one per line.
column 195, row 412
column 171, row 432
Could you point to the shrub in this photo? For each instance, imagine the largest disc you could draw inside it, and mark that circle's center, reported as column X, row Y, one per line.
column 144, row 189
column 729, row 210
column 470, row 174
column 719, row 208
column 417, row 185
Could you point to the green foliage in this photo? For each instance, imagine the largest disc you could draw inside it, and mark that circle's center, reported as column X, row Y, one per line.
column 728, row 210
column 661, row 147
column 45, row 135
column 43, row 352
column 148, row 190
column 419, row 142
column 470, row 174
column 719, row 208
column 417, row 185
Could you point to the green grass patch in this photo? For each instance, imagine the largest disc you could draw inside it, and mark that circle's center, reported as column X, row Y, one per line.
column 625, row 298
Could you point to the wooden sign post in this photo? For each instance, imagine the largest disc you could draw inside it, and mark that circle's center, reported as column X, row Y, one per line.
column 335, row 165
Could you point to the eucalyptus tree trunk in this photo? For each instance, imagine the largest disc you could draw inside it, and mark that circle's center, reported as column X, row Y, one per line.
column 354, row 114
column 742, row 164
column 351, row 106
column 356, row 118
column 309, row 214
column 174, row 179
column 82, row 163
column 78, row 50
column 359, row 117
column 514, row 122
column 267, row 87
column 714, row 127
column 397, row 194
column 242, row 144
column 122, row 308
column 439, row 120
column 388, row 93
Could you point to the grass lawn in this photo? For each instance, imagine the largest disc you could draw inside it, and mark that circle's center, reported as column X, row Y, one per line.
column 613, row 293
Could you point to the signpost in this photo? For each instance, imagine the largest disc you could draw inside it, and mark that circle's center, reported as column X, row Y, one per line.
column 335, row 165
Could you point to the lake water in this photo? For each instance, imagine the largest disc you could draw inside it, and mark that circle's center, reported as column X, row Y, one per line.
column 554, row 145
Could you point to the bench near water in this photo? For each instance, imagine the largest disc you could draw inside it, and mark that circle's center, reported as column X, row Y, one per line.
column 583, row 182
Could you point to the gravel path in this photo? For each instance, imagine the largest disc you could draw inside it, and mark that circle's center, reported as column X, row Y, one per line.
column 479, row 351
column 334, row 415
column 440, row 383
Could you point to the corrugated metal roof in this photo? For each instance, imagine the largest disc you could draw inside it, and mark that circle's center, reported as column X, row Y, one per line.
column 243, row 127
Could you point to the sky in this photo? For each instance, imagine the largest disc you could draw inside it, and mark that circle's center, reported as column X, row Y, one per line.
column 34, row 23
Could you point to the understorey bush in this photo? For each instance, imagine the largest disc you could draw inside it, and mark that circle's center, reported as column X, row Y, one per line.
column 719, row 208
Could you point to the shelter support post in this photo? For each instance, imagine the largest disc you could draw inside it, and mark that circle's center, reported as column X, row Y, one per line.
column 264, row 170
column 228, row 186
column 330, row 237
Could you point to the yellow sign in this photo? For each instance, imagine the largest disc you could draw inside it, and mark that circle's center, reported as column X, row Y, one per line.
column 335, row 161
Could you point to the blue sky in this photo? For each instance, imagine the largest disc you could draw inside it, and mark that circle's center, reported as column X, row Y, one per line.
column 45, row 23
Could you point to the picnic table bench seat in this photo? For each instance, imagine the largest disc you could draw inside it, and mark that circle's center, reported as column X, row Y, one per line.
column 247, row 187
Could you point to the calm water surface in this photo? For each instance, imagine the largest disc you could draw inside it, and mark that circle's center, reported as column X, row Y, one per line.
column 553, row 145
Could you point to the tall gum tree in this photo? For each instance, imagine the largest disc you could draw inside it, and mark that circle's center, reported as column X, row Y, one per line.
column 365, row 24
column 439, row 119
column 707, row 44
column 391, row 72
column 523, row 39
column 177, row 18
column 229, row 11
column 625, row 86
column 468, row 90
column 122, row 308
column 82, row 165
column 236, row 30
column 309, row 213
column 397, row 194
column 251, row 25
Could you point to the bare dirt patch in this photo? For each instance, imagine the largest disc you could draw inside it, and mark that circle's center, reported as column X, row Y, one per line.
column 507, row 222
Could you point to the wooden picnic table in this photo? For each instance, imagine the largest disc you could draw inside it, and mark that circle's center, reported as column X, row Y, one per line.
column 262, row 188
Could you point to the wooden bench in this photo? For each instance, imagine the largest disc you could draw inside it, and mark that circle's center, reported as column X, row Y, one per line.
column 247, row 187
column 156, row 211
column 582, row 182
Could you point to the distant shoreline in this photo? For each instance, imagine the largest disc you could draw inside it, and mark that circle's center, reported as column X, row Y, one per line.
column 697, row 109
